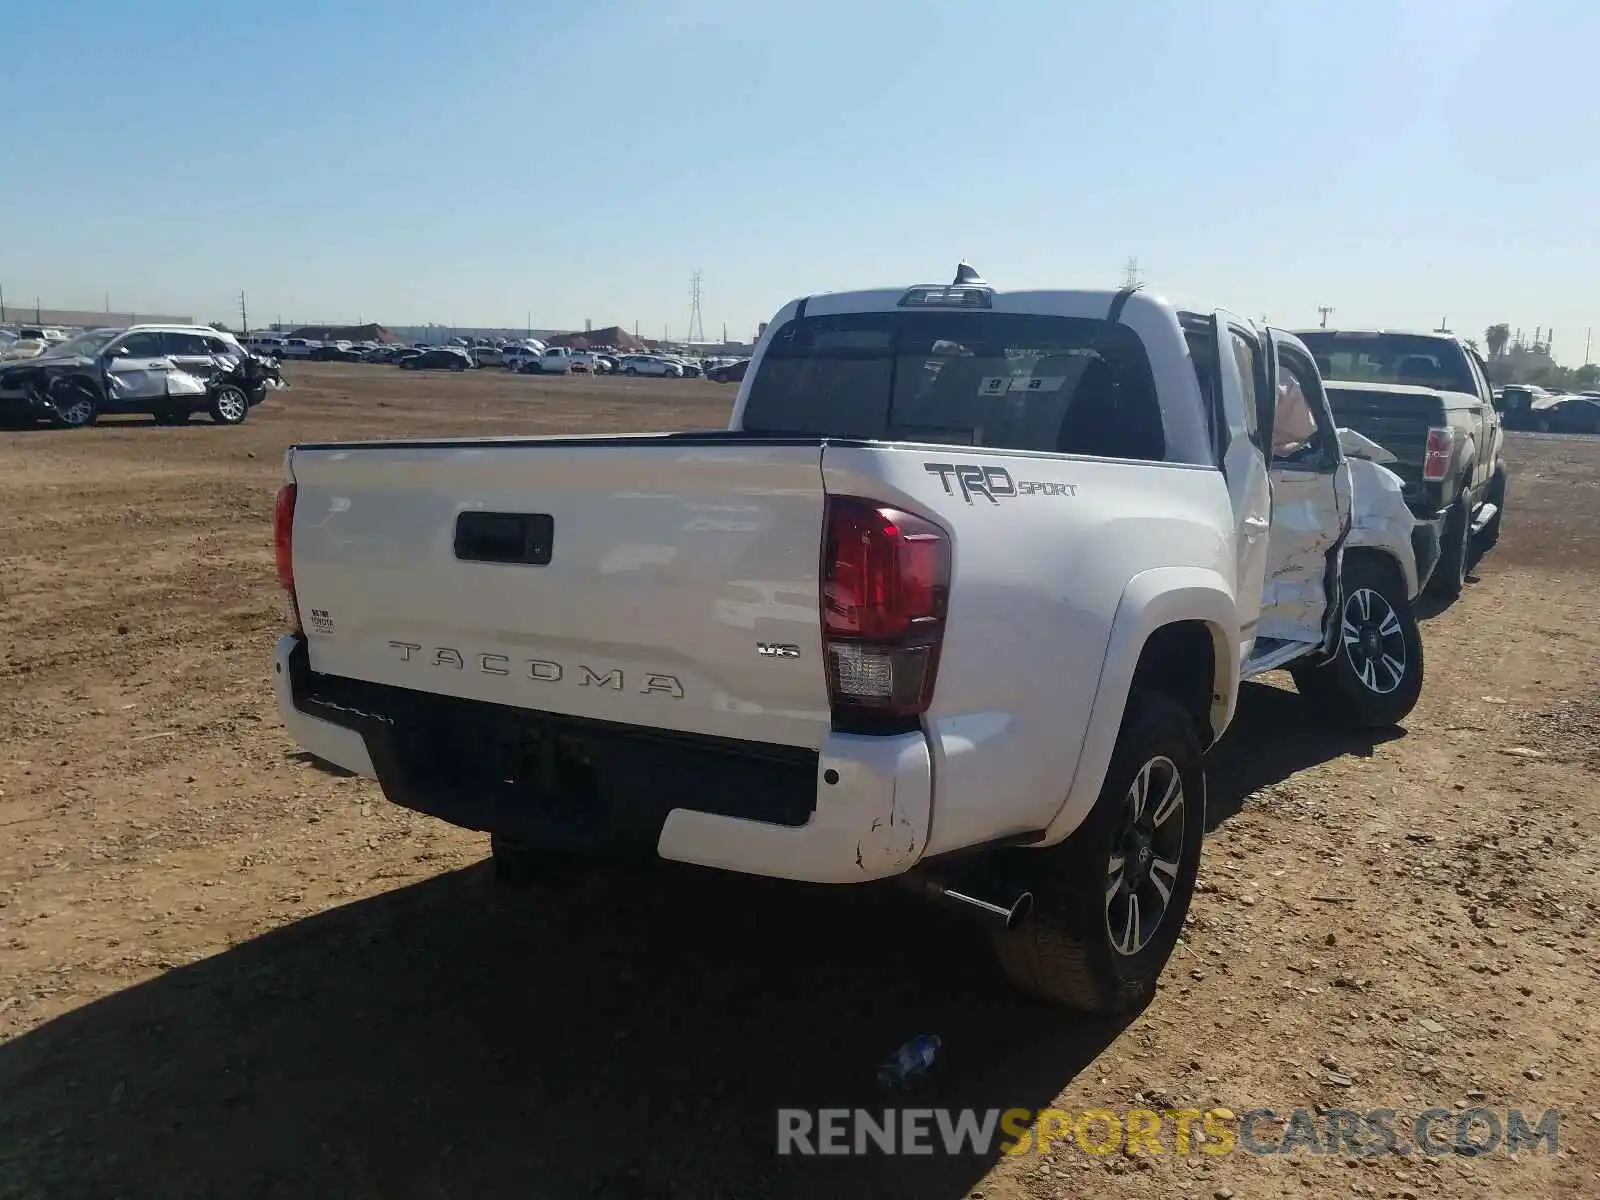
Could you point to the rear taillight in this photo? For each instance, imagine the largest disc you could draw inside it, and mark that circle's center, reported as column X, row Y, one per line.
column 885, row 586
column 283, row 547
column 1436, row 459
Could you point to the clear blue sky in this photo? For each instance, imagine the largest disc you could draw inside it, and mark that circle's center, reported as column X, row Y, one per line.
column 472, row 161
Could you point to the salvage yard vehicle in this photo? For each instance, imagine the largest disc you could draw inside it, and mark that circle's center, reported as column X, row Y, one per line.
column 1574, row 413
column 1426, row 398
column 168, row 371
column 28, row 343
column 440, row 358
column 552, row 360
column 650, row 364
column 959, row 599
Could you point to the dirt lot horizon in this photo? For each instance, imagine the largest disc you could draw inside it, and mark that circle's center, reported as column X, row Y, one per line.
column 227, row 971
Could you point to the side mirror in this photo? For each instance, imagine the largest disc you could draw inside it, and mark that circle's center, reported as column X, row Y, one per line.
column 1356, row 445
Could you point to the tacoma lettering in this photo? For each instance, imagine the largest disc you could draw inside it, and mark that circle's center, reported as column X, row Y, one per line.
column 542, row 670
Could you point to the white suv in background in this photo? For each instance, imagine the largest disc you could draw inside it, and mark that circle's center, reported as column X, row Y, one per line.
column 649, row 364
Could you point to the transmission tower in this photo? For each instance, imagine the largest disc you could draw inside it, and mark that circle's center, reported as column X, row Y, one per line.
column 697, row 329
column 1326, row 310
column 1131, row 275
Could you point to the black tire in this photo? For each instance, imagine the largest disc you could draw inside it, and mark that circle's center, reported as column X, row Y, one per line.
column 229, row 405
column 1489, row 535
column 1362, row 686
column 458, row 367
column 75, row 405
column 1455, row 552
column 171, row 416
column 1067, row 952
column 518, row 866
column 631, row 371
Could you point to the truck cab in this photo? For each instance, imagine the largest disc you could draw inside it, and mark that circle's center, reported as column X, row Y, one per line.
column 1426, row 398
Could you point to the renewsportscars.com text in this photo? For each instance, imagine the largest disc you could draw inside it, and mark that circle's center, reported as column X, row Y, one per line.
column 1259, row 1131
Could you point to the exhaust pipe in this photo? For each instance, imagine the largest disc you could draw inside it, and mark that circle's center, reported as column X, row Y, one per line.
column 1010, row 917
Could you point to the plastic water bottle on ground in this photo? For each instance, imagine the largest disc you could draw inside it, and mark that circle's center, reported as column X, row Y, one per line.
column 910, row 1061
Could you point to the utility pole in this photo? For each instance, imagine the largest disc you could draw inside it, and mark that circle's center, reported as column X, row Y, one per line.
column 244, row 317
column 697, row 330
column 1586, row 334
column 1327, row 311
column 2, row 304
column 1131, row 275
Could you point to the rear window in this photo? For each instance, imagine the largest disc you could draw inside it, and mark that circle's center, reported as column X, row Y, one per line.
column 1006, row 381
column 1403, row 358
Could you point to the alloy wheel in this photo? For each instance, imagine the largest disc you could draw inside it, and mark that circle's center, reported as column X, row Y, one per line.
column 231, row 404
column 1143, row 869
column 1374, row 641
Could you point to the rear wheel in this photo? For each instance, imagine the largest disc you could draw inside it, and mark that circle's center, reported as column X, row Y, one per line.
column 1450, row 575
column 1375, row 678
column 1110, row 901
column 229, row 405
column 631, row 371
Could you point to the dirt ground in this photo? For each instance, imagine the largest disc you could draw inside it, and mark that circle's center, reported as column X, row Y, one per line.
column 225, row 971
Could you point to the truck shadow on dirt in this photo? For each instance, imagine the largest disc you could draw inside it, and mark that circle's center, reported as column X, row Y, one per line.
column 1275, row 734
column 632, row 1035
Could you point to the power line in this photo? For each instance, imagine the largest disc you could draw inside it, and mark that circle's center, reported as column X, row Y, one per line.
column 1132, row 277
column 1326, row 311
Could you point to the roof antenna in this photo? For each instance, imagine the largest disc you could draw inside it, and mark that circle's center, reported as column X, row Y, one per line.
column 966, row 273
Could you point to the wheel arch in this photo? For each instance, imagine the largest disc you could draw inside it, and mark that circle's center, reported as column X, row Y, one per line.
column 1385, row 558
column 1175, row 627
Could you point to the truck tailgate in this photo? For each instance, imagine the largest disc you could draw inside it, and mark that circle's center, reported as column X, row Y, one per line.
column 660, row 581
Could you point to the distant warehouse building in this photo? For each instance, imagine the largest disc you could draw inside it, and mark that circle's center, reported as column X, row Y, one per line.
column 29, row 314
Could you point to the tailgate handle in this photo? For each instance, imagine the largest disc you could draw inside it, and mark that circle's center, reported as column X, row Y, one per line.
column 523, row 539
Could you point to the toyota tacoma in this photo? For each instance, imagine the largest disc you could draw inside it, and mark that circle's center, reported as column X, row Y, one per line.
column 959, row 598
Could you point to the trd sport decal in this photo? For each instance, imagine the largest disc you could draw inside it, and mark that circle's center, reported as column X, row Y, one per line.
column 992, row 483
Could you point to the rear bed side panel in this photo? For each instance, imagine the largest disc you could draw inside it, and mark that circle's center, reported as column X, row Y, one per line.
column 1156, row 597
column 1037, row 580
column 669, row 565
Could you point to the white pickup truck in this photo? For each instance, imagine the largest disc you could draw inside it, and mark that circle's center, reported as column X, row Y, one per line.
column 959, row 598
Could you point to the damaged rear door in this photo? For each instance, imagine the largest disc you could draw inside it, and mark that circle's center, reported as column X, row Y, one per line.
column 194, row 363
